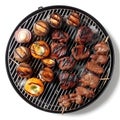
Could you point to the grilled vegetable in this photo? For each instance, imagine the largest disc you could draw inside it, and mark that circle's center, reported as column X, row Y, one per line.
column 22, row 54
column 34, row 86
column 73, row 19
column 41, row 28
column 39, row 49
column 55, row 20
column 23, row 35
column 48, row 62
column 24, row 70
column 46, row 74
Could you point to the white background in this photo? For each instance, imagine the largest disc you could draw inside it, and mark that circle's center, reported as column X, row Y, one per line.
column 15, row 108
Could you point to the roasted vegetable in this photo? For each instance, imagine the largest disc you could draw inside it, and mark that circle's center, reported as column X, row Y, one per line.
column 34, row 86
column 39, row 49
column 46, row 74
column 41, row 28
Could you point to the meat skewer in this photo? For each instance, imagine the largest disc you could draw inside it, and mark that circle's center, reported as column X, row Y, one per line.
column 84, row 92
column 94, row 67
column 76, row 98
column 66, row 100
column 89, row 80
column 99, row 59
column 102, row 47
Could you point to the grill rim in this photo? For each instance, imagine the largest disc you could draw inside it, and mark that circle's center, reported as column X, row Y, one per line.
column 61, row 7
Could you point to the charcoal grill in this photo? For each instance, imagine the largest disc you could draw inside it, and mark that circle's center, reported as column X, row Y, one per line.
column 48, row 100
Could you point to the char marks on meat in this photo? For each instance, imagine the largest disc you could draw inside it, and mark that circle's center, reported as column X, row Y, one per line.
column 94, row 67
column 60, row 36
column 64, row 101
column 76, row 98
column 67, row 80
column 78, row 52
column 66, row 63
column 84, row 92
column 89, row 80
column 58, row 50
column 100, row 59
column 84, row 35
column 101, row 48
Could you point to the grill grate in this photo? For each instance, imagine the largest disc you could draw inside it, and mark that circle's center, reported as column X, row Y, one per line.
column 48, row 100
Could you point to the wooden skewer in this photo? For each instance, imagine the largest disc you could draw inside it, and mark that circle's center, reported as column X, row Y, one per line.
column 106, row 39
column 14, row 61
column 63, row 109
column 104, row 78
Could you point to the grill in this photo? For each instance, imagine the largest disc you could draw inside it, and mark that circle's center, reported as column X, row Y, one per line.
column 48, row 100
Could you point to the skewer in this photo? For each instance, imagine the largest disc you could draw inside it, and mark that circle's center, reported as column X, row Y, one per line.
column 106, row 39
column 63, row 110
column 14, row 61
column 104, row 78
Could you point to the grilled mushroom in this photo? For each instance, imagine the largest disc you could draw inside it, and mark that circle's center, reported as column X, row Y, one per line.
column 55, row 20
column 24, row 70
column 41, row 28
column 46, row 74
column 21, row 54
column 73, row 19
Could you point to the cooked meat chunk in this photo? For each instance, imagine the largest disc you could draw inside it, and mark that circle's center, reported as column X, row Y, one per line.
column 67, row 80
column 64, row 101
column 58, row 50
column 84, row 35
column 60, row 36
column 94, row 67
column 100, row 59
column 101, row 48
column 84, row 92
column 89, row 80
column 76, row 98
column 66, row 63
column 79, row 53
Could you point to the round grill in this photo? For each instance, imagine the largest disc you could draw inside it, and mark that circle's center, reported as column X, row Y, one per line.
column 48, row 100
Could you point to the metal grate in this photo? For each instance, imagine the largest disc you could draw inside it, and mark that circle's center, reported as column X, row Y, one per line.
column 48, row 100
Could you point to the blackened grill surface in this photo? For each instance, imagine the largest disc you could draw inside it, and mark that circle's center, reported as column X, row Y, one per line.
column 48, row 100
